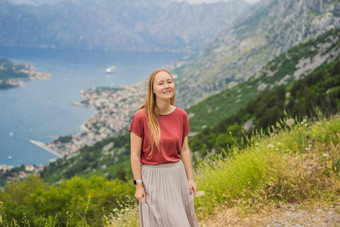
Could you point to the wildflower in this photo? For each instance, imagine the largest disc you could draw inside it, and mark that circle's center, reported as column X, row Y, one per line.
column 324, row 155
column 270, row 145
column 277, row 149
column 307, row 148
column 200, row 193
column 290, row 122
column 256, row 144
column 279, row 143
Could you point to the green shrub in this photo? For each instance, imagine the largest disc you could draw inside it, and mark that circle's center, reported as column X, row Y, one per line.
column 73, row 202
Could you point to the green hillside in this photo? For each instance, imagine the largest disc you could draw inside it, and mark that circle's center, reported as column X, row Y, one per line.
column 317, row 92
column 109, row 158
column 297, row 164
column 75, row 202
column 283, row 70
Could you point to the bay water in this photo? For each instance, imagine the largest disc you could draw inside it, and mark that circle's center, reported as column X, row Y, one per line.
column 42, row 109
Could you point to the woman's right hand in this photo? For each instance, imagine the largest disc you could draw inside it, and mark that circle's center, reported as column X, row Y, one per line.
column 140, row 193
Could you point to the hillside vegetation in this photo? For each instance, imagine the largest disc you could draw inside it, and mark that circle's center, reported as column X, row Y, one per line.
column 297, row 163
column 284, row 70
column 109, row 158
column 318, row 91
column 74, row 202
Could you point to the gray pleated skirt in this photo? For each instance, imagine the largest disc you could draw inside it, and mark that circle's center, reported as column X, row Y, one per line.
column 169, row 202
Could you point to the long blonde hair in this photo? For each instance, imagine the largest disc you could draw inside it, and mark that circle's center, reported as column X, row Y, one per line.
column 152, row 110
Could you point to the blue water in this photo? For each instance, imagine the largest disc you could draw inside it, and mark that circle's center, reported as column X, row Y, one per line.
column 42, row 109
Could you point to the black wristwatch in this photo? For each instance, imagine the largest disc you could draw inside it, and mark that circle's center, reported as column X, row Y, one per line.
column 137, row 181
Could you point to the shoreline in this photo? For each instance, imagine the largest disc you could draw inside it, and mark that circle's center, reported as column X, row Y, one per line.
column 46, row 148
column 112, row 107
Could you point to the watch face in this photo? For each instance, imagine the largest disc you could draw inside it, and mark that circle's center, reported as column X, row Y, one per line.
column 134, row 182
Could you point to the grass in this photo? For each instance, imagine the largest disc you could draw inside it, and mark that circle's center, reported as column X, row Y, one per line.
column 291, row 165
column 294, row 164
column 123, row 217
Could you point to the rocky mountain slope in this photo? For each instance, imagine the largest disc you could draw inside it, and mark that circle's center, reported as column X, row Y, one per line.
column 284, row 70
column 317, row 93
column 272, row 27
column 129, row 25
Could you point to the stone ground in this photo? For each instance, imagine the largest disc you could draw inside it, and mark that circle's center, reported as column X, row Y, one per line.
column 286, row 215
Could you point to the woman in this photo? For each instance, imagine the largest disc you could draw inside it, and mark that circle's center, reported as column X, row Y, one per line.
column 160, row 158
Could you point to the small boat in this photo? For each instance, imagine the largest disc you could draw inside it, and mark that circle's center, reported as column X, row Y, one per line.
column 9, row 157
column 111, row 69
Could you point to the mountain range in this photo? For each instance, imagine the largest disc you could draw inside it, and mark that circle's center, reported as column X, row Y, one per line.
column 129, row 25
column 241, row 50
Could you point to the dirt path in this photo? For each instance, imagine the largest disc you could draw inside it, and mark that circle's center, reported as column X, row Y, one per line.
column 287, row 215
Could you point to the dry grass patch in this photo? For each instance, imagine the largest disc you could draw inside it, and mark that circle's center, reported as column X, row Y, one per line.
column 309, row 214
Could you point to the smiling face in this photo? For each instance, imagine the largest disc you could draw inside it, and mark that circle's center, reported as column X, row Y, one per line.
column 163, row 86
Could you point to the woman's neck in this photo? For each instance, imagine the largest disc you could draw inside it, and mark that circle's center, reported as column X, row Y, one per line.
column 163, row 106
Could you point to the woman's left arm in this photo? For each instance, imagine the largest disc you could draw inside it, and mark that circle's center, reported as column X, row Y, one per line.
column 186, row 158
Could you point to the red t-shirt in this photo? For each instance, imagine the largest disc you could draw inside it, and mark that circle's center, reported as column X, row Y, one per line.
column 174, row 128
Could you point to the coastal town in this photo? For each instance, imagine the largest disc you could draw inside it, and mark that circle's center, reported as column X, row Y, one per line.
column 9, row 173
column 113, row 109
